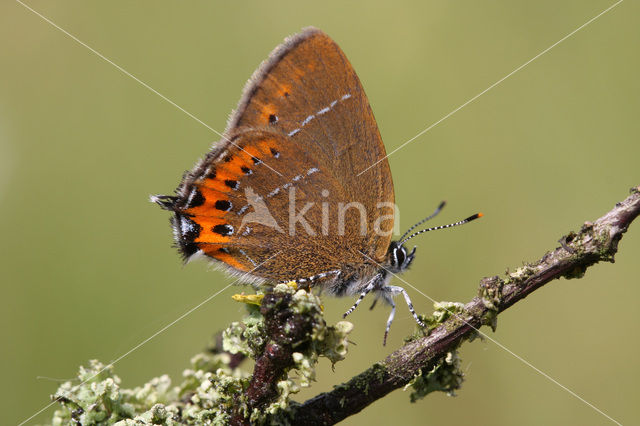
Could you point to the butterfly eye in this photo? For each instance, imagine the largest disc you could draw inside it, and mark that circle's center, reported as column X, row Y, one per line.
column 400, row 255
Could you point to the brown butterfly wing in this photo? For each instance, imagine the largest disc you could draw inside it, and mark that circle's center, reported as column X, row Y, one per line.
column 303, row 124
column 308, row 90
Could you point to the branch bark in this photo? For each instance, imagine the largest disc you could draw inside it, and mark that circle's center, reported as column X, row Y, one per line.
column 596, row 241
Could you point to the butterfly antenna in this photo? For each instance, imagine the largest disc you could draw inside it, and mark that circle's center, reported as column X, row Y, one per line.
column 431, row 216
column 451, row 225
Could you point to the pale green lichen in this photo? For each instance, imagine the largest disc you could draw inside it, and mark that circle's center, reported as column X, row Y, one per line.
column 521, row 274
column 491, row 295
column 276, row 412
column 210, row 391
column 206, row 395
column 248, row 337
column 442, row 312
column 445, row 376
column 328, row 341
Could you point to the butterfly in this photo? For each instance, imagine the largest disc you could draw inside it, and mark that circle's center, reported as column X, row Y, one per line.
column 280, row 197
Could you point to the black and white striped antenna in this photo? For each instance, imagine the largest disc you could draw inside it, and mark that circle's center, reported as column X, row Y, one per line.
column 451, row 225
column 431, row 216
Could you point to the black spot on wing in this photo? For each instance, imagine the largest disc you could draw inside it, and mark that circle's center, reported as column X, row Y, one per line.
column 233, row 184
column 223, row 205
column 223, row 230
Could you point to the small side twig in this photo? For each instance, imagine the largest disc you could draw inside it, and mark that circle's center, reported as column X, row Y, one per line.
column 288, row 331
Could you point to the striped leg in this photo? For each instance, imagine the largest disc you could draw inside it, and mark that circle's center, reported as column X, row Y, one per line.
column 373, row 305
column 390, row 320
column 396, row 290
column 366, row 291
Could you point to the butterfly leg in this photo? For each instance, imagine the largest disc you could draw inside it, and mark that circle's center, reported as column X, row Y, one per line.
column 370, row 286
column 306, row 286
column 394, row 290
column 373, row 305
column 389, row 320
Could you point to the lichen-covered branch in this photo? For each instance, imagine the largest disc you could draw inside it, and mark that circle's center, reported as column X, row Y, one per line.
column 285, row 335
column 596, row 241
column 293, row 335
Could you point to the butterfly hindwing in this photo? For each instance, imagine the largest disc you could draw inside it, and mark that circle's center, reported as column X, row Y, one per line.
column 302, row 132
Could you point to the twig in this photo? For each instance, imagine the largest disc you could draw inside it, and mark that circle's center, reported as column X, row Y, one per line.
column 595, row 242
column 288, row 331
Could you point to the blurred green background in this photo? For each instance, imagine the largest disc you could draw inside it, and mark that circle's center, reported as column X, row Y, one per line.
column 87, row 267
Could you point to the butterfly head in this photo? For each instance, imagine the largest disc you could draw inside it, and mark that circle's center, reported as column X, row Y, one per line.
column 398, row 257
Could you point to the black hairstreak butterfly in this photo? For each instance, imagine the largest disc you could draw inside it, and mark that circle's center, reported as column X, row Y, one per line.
column 280, row 197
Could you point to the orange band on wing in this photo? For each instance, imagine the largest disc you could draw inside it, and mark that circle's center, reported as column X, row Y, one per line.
column 227, row 258
column 235, row 165
column 265, row 145
column 213, row 229
column 249, row 153
column 227, row 173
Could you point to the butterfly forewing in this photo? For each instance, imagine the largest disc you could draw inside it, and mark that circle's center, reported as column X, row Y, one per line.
column 308, row 90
